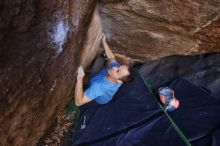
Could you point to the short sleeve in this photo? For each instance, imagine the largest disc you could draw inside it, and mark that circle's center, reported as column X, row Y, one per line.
column 114, row 63
column 93, row 91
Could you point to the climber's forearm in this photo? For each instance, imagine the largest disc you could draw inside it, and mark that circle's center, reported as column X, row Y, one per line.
column 79, row 91
column 108, row 51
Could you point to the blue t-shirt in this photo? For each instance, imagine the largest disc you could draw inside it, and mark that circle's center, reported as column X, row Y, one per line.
column 100, row 88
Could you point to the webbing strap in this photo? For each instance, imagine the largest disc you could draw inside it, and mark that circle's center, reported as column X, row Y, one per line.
column 180, row 133
column 183, row 137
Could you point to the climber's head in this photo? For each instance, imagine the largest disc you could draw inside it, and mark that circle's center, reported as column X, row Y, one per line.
column 121, row 73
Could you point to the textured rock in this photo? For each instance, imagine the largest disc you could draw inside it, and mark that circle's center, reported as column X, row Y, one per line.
column 208, row 37
column 40, row 42
column 152, row 29
column 92, row 41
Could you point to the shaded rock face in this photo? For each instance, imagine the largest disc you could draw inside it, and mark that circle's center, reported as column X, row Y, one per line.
column 92, row 40
column 152, row 29
column 40, row 42
column 201, row 70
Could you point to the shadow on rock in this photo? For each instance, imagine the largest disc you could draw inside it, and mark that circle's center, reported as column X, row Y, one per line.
column 202, row 70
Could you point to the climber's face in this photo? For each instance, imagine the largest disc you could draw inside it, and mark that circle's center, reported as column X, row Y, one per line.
column 162, row 98
column 116, row 73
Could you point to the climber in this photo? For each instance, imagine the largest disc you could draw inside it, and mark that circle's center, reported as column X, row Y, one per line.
column 105, row 83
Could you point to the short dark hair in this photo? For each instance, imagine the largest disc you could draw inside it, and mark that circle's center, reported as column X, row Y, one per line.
column 130, row 76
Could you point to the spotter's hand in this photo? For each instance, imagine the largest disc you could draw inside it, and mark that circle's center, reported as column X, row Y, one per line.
column 80, row 72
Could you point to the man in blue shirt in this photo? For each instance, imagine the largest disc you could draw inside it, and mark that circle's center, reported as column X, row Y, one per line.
column 104, row 84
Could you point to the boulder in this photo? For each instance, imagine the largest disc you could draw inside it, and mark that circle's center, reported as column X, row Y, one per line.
column 153, row 29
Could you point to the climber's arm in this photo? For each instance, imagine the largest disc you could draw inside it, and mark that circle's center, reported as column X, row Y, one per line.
column 80, row 97
column 108, row 51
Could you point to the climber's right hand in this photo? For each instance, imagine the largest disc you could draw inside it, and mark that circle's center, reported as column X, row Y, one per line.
column 80, row 72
